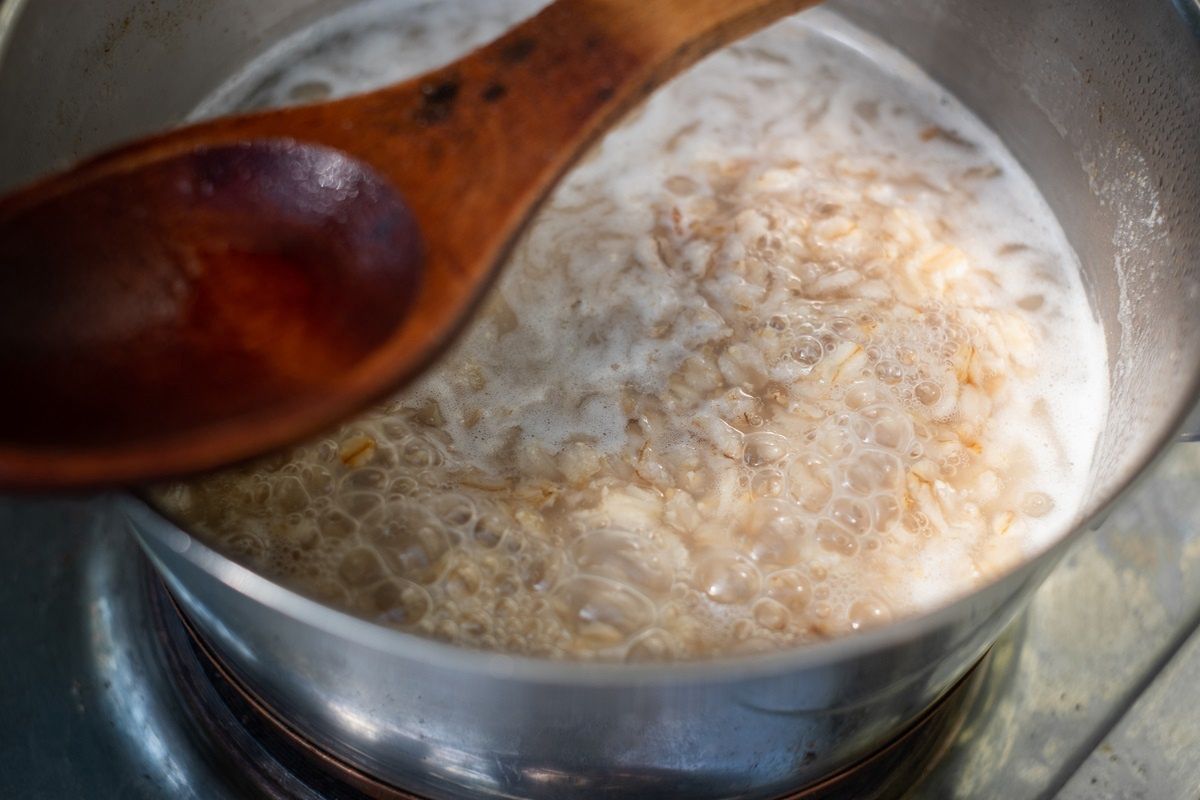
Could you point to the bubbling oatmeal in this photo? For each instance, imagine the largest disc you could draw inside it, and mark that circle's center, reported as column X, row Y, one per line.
column 798, row 350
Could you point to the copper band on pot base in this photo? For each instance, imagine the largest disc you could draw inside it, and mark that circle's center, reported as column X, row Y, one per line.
column 284, row 764
column 894, row 768
column 266, row 757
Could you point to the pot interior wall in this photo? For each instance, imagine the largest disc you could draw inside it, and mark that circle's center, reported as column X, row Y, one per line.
column 78, row 77
column 1098, row 100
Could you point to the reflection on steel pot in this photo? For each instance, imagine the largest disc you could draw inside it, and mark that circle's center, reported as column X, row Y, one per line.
column 1102, row 105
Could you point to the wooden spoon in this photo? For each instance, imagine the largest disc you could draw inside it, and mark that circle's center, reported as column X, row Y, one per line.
column 224, row 289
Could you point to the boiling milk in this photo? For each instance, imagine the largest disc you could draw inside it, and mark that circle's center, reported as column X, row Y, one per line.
column 798, row 349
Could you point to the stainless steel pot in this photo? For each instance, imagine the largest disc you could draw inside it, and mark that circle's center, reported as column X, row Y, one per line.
column 1099, row 99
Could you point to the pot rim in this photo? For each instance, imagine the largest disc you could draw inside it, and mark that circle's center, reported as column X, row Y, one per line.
column 10, row 13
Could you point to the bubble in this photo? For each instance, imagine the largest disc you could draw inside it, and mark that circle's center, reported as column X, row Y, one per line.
column 299, row 532
column 317, row 481
column 771, row 614
column 887, row 512
column 808, row 351
column 462, row 581
column 790, row 588
column 836, row 443
column 860, row 395
column 927, row 393
column 360, row 567
column 871, row 472
column 889, row 372
column 489, row 529
column 862, row 428
column 538, row 571
column 446, row 629
column 473, row 625
column 400, row 603
column 892, row 428
column 403, row 486
column 655, row 645
column 810, row 483
column 773, row 532
column 763, row 448
column 626, row 557
column 369, row 479
column 767, row 483
column 835, row 538
column 289, row 495
column 412, row 544
column 260, row 493
column 853, row 515
column 726, row 578
column 361, row 505
column 327, row 450
column 601, row 611
column 454, row 509
column 742, row 630
column 416, row 451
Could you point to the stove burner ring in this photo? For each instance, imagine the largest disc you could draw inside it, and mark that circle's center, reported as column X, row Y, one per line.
column 283, row 765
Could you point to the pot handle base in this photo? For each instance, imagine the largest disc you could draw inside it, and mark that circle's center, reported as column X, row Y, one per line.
column 1190, row 430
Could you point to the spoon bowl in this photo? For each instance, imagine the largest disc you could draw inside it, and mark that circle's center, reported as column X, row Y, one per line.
column 198, row 308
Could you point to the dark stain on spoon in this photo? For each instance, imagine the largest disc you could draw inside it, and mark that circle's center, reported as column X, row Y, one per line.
column 493, row 92
column 518, row 50
column 437, row 100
